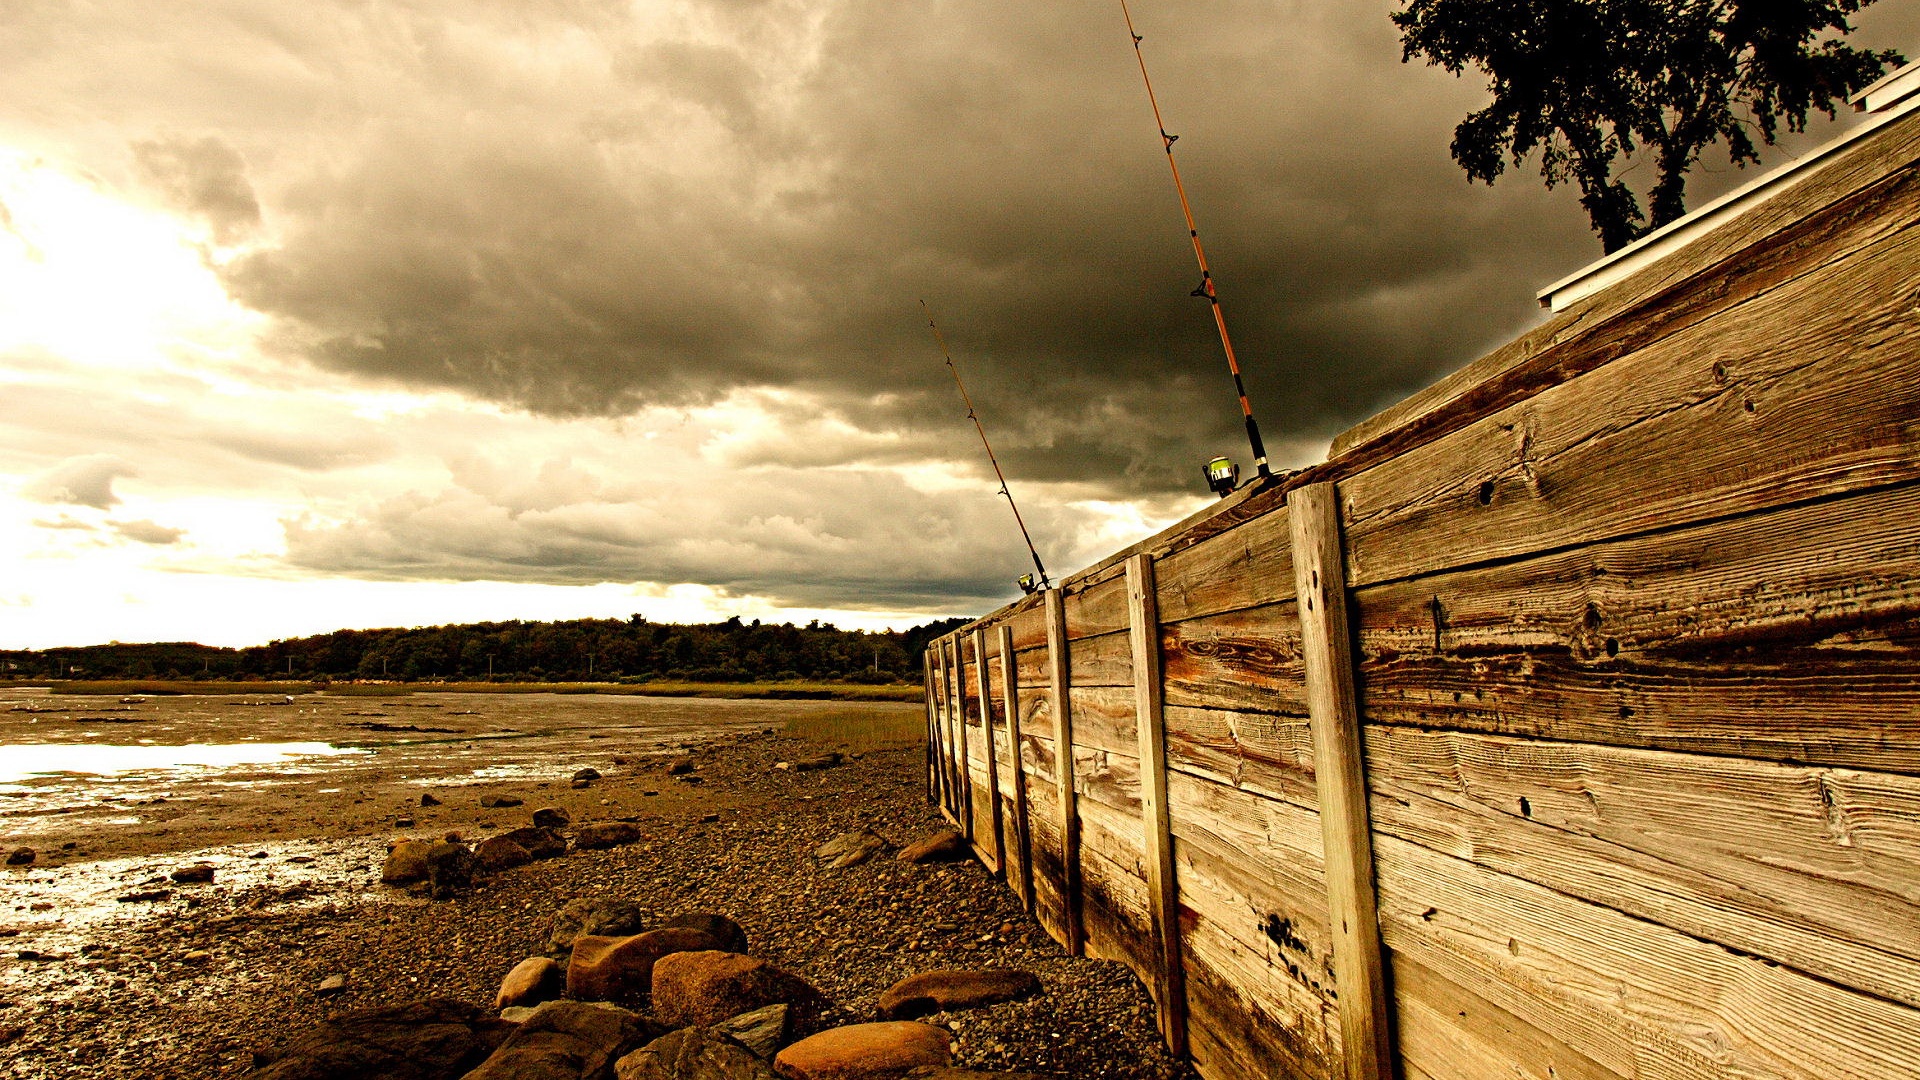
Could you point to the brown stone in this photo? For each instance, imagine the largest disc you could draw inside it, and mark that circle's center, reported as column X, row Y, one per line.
column 435, row 1039
column 406, row 863
column 497, row 853
column 610, row 968
column 540, row 843
column 938, row 847
column 532, row 981
column 568, row 1040
column 883, row 1051
column 946, row 991
column 606, row 834
column 699, row 988
column 850, row 849
column 692, row 1054
column 551, row 817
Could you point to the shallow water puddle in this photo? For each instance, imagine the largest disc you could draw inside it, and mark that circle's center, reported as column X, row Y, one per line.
column 22, row 762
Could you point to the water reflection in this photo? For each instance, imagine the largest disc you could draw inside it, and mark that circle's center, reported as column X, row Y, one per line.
column 21, row 762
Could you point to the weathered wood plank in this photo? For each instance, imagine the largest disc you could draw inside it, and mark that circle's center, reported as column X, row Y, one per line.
column 1103, row 717
column 1635, row 997
column 1339, row 772
column 1445, row 1031
column 1816, row 868
column 963, row 762
column 1257, row 752
column 1700, row 424
column 1249, row 565
column 1247, row 659
column 1098, row 608
column 1103, row 660
column 1792, row 636
column 1022, row 844
column 1059, row 678
column 1163, row 891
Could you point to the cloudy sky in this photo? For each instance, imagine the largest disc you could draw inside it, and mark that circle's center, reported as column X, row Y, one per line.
column 372, row 312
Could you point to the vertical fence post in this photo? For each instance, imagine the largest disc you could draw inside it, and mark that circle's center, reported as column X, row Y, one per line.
column 943, row 719
column 983, row 685
column 1017, row 758
column 926, row 690
column 1319, row 567
column 1059, row 684
column 964, row 761
column 1143, row 618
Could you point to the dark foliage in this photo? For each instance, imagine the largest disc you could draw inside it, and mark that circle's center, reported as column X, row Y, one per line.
column 578, row 650
column 1595, row 85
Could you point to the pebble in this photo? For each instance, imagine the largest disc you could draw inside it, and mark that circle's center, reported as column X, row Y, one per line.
column 331, row 985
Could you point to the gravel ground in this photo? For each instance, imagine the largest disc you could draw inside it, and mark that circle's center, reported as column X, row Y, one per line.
column 213, row 972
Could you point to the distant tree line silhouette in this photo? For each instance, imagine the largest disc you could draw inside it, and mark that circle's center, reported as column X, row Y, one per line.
column 577, row 650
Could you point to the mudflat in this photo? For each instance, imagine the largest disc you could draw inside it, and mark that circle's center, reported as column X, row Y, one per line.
column 112, row 968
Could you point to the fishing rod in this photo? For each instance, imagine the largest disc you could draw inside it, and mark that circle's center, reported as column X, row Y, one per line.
column 1026, row 580
column 1206, row 288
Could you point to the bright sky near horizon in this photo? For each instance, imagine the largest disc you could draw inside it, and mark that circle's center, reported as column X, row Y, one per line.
column 399, row 313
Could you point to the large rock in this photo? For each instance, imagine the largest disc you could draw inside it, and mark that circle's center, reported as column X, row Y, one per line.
column 435, row 1039
column 406, row 863
column 552, row 817
column 883, row 1051
column 938, row 847
column 497, row 853
column 849, row 849
column 724, row 930
column 449, row 870
column 603, row 916
column 692, row 1054
column 763, row 1031
column 606, row 834
column 699, row 988
column 532, row 981
column 824, row 761
column 540, row 843
column 611, row 968
column 568, row 1040
column 938, row 991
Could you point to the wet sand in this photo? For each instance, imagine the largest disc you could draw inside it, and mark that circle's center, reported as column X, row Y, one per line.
column 194, row 979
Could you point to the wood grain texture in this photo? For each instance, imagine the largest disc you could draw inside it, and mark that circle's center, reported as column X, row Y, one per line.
column 1103, row 661
column 1339, row 772
column 1249, row 565
column 1245, row 660
column 1021, row 846
column 1791, row 636
column 1060, row 679
column 1103, row 718
column 963, row 767
column 1098, row 608
column 1448, row 1032
column 1630, row 995
column 1704, row 423
column 1256, row 752
column 1816, row 868
column 1163, row 890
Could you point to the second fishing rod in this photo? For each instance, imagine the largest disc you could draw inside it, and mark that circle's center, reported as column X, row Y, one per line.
column 1216, row 478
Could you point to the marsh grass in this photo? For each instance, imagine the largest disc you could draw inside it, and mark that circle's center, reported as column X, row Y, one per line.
column 860, row 729
column 165, row 687
column 774, row 691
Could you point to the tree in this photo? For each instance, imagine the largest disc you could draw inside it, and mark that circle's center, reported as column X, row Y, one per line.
column 1592, row 83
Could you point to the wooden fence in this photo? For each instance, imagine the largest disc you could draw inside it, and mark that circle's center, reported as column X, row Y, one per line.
column 1564, row 724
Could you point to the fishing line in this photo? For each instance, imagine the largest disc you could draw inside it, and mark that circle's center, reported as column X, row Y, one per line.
column 1206, row 288
column 981, row 428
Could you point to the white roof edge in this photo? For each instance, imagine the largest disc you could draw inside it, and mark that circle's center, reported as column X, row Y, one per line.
column 1888, row 100
column 1888, row 90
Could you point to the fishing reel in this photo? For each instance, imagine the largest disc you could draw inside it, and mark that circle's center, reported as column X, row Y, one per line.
column 1223, row 476
column 1027, row 585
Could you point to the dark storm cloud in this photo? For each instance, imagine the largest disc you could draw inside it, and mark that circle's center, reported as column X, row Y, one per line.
column 581, row 212
column 847, row 539
column 205, row 178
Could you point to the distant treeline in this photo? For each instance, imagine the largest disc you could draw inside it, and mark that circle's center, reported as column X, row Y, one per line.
column 580, row 650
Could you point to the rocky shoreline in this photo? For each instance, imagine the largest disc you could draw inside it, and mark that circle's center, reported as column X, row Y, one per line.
column 220, row 979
